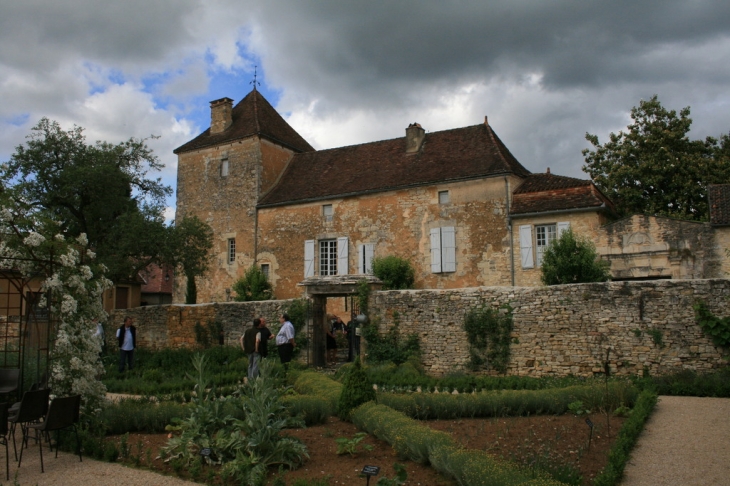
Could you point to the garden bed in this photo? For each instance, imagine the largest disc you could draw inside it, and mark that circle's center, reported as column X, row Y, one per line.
column 528, row 440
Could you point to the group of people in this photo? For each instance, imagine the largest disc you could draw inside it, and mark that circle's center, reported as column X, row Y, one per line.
column 255, row 339
column 254, row 343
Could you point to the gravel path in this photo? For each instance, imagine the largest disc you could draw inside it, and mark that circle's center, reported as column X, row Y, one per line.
column 67, row 470
column 685, row 442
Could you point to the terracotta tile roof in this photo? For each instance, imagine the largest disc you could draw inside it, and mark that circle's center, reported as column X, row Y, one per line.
column 548, row 192
column 253, row 115
column 450, row 155
column 719, row 199
column 153, row 278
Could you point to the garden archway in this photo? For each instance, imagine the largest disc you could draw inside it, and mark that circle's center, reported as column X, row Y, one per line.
column 318, row 290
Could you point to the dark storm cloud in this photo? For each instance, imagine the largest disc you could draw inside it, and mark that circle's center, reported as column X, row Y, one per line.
column 44, row 34
column 571, row 43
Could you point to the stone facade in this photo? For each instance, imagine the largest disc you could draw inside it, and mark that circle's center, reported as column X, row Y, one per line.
column 228, row 204
column 558, row 330
column 395, row 223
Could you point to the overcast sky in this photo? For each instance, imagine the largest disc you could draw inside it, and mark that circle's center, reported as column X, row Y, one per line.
column 350, row 72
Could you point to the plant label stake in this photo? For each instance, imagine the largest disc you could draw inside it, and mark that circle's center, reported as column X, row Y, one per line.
column 369, row 471
column 205, row 452
column 590, row 436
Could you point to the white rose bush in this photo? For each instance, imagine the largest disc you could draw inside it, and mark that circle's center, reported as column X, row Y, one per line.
column 74, row 284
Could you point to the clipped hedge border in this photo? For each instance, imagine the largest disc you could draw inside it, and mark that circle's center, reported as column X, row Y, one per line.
column 627, row 437
column 427, row 406
column 421, row 444
column 317, row 399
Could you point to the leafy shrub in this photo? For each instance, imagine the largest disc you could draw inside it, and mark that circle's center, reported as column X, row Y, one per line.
column 715, row 327
column 572, row 259
column 245, row 448
column 488, row 331
column 391, row 346
column 395, row 272
column 356, row 390
column 141, row 415
column 310, row 408
column 252, row 286
column 318, row 385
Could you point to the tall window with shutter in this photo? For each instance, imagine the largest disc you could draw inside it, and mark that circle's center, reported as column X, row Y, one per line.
column 332, row 257
column 443, row 249
column 365, row 258
column 309, row 258
column 544, row 235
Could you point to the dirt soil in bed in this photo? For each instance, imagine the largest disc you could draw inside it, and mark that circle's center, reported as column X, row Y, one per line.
column 555, row 439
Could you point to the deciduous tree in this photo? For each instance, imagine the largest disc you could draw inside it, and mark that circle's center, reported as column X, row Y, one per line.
column 655, row 168
column 101, row 190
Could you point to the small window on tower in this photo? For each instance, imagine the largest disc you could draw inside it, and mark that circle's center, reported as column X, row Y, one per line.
column 444, row 197
column 327, row 212
column 224, row 168
column 231, row 250
column 265, row 270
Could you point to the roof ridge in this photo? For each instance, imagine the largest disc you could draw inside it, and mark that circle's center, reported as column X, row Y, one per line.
column 396, row 138
column 256, row 112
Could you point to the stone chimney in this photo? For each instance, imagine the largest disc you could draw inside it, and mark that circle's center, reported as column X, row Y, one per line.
column 414, row 138
column 220, row 115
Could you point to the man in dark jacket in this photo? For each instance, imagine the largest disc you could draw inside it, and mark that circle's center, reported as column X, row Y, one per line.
column 127, row 339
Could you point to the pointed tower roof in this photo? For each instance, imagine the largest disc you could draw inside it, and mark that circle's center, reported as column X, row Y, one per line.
column 252, row 116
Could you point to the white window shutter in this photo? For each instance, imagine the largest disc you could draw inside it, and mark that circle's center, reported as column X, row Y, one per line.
column 369, row 252
column 448, row 249
column 308, row 258
column 436, row 250
column 526, row 246
column 342, row 255
column 564, row 226
column 361, row 259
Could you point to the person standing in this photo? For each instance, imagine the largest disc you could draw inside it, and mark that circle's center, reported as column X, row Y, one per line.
column 266, row 335
column 285, row 339
column 127, row 339
column 250, row 345
column 350, row 333
column 329, row 329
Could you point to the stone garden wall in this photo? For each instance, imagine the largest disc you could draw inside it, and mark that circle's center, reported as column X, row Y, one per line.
column 557, row 330
column 568, row 329
column 174, row 325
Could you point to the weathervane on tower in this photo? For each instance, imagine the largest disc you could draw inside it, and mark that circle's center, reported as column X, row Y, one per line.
column 254, row 82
